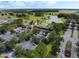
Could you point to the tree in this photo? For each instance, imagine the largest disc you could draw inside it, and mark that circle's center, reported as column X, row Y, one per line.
column 2, row 47
column 52, row 36
column 18, row 22
column 55, row 47
column 11, row 44
column 34, row 30
column 32, row 54
column 42, row 49
column 24, row 36
column 58, row 27
column 12, row 14
column 3, row 29
column 2, row 14
column 45, row 40
column 20, row 15
column 20, row 53
column 2, row 40
column 68, row 16
column 39, row 13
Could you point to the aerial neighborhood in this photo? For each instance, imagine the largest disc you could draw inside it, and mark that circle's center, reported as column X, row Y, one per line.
column 39, row 33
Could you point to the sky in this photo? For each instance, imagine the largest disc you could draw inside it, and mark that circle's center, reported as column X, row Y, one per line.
column 39, row 4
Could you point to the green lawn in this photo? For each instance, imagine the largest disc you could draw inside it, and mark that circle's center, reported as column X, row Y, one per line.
column 72, row 34
column 62, row 32
column 2, row 55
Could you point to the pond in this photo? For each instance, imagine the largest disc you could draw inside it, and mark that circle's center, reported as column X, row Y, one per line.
column 55, row 19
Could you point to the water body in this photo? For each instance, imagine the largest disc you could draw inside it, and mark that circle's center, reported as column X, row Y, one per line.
column 55, row 19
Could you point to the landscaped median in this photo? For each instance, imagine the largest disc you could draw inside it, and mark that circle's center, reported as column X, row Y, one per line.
column 72, row 33
column 78, row 34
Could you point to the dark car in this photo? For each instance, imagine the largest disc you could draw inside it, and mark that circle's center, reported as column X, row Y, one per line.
column 68, row 52
column 6, row 57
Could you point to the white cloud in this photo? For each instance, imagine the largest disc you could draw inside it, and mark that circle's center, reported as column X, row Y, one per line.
column 38, row 4
column 52, row 2
column 33, row 4
column 39, row 0
column 17, row 3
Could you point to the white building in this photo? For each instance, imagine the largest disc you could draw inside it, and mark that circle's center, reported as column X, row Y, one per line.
column 5, row 21
column 7, row 36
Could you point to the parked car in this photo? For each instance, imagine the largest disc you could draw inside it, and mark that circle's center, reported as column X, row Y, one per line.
column 6, row 57
column 68, row 49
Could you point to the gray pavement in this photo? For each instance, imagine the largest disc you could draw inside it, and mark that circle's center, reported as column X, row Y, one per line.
column 7, row 36
column 66, row 37
column 27, row 45
column 10, row 54
column 74, row 39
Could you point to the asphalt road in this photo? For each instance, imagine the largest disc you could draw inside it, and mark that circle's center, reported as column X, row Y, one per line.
column 74, row 39
column 66, row 36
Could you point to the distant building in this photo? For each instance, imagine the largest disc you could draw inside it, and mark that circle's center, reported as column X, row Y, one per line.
column 68, row 11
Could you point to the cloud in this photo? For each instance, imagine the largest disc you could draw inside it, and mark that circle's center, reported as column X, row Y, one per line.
column 17, row 3
column 38, row 4
column 26, row 4
column 41, row 4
